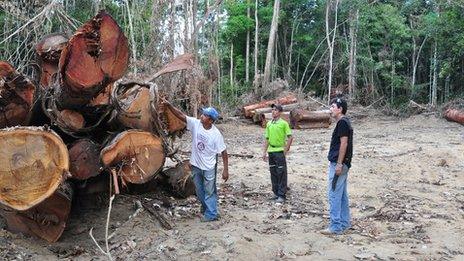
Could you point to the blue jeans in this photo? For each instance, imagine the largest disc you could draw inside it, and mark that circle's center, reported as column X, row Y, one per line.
column 339, row 206
column 205, row 186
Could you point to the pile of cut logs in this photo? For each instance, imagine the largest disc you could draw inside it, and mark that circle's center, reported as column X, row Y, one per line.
column 298, row 118
column 88, row 124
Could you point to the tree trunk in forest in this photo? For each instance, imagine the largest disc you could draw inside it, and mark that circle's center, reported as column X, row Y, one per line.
column 95, row 56
column 132, row 37
column 35, row 161
column 416, row 57
column 84, row 155
column 330, row 42
column 46, row 220
column 434, row 75
column 256, row 47
column 353, row 49
column 231, row 71
column 247, row 52
column 49, row 51
column 271, row 43
column 17, row 95
column 137, row 155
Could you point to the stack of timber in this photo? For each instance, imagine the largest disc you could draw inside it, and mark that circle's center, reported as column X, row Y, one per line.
column 303, row 119
column 249, row 110
column 95, row 128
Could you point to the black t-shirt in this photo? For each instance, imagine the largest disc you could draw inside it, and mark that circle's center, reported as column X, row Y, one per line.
column 343, row 129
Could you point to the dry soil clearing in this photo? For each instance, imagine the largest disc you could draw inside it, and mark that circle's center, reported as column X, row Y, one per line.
column 406, row 191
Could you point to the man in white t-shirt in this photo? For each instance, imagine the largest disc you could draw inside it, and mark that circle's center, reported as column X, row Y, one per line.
column 207, row 142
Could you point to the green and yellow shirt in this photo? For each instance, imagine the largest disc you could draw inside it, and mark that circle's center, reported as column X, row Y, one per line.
column 276, row 134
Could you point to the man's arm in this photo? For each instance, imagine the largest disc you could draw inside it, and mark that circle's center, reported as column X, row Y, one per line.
column 225, row 162
column 266, row 144
column 289, row 143
column 341, row 154
column 179, row 114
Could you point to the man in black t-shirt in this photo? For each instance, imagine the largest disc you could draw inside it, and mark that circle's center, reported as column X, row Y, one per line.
column 340, row 154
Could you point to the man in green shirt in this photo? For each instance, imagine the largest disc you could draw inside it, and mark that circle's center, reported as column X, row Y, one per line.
column 278, row 139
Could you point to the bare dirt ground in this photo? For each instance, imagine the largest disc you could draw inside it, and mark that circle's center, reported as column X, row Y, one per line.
column 406, row 190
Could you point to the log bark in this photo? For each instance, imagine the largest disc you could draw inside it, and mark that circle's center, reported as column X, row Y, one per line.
column 137, row 155
column 49, row 51
column 47, row 220
column 84, row 156
column 174, row 125
column 180, row 179
column 257, row 114
column 247, row 110
column 17, row 97
column 303, row 119
column 34, row 162
column 95, row 56
column 454, row 115
column 266, row 117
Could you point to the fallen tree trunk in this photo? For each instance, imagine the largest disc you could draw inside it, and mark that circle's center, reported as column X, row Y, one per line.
column 33, row 163
column 247, row 110
column 303, row 119
column 49, row 51
column 16, row 97
column 180, row 179
column 85, row 159
column 454, row 115
column 257, row 114
column 95, row 56
column 266, row 117
column 47, row 220
column 137, row 155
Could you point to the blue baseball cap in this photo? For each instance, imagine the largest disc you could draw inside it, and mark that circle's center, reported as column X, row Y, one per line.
column 211, row 113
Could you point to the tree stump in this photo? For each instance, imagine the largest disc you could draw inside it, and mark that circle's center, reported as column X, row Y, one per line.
column 180, row 179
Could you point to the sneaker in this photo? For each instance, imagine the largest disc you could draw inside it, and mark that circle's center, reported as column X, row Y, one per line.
column 280, row 200
column 329, row 232
column 203, row 219
column 273, row 198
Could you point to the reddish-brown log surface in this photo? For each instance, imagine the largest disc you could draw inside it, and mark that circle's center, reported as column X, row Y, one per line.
column 84, row 156
column 95, row 56
column 174, row 124
column 303, row 119
column 247, row 110
column 135, row 103
column 266, row 117
column 47, row 220
column 49, row 51
column 72, row 119
column 139, row 155
column 16, row 97
column 33, row 163
column 454, row 115
column 257, row 114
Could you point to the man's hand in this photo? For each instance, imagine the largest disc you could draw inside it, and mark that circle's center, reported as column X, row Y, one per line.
column 264, row 157
column 286, row 151
column 225, row 175
column 338, row 169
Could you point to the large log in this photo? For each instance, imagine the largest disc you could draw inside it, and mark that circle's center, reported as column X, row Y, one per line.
column 16, row 97
column 84, row 155
column 303, row 119
column 174, row 125
column 179, row 179
column 247, row 110
column 257, row 114
column 33, row 163
column 135, row 106
column 266, row 117
column 95, row 56
column 454, row 115
column 136, row 154
column 47, row 220
column 49, row 51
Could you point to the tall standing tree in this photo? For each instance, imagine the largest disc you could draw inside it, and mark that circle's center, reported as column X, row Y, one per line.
column 271, row 44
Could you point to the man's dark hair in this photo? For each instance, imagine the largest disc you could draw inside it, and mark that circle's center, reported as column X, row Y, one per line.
column 341, row 103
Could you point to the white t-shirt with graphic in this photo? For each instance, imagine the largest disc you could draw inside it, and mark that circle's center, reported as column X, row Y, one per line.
column 206, row 144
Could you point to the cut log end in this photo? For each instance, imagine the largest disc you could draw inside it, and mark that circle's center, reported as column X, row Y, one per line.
column 37, row 160
column 85, row 161
column 138, row 154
